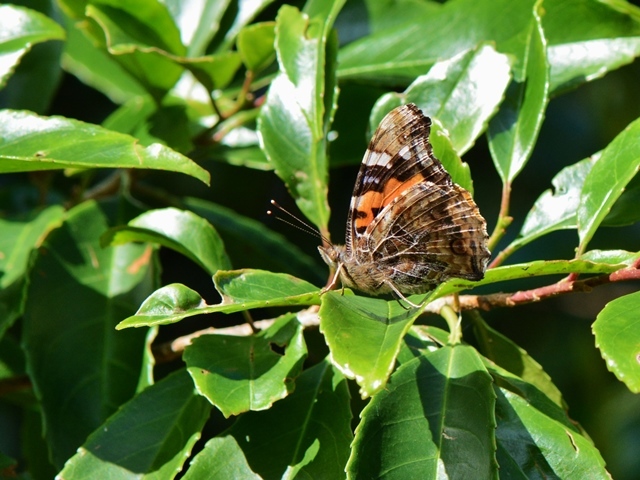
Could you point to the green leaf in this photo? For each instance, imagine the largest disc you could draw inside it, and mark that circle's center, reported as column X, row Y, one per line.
column 606, row 181
column 213, row 71
column 503, row 352
column 556, row 210
column 141, row 36
column 245, row 12
column 434, row 419
column 587, row 39
column 197, row 21
column 525, row 433
column 30, row 142
column 625, row 211
column 19, row 237
column 384, row 14
column 80, row 367
column 617, row 332
column 513, row 131
column 256, row 45
column 364, row 336
column 462, row 92
column 238, row 374
column 180, row 230
column 306, row 435
column 525, row 270
column 399, row 54
column 300, row 103
column 22, row 28
column 150, row 437
column 242, row 289
column 96, row 68
column 220, row 459
column 250, row 244
column 613, row 257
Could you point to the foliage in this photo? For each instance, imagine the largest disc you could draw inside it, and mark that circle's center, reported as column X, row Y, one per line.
column 257, row 85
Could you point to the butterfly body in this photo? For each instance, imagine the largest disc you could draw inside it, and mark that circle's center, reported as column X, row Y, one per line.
column 409, row 227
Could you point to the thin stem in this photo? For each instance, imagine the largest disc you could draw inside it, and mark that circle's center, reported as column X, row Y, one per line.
column 453, row 320
column 504, row 220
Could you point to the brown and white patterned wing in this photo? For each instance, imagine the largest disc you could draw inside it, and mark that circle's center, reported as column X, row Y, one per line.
column 430, row 234
column 399, row 157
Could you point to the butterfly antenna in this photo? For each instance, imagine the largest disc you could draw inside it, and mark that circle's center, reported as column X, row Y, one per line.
column 300, row 225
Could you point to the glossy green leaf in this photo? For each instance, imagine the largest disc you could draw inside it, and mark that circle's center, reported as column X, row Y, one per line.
column 556, row 209
column 96, row 68
column 30, row 142
column 180, row 230
column 238, row 374
column 242, row 289
column 524, row 433
column 256, row 45
column 80, row 367
column 435, row 419
column 22, row 28
column 503, row 352
column 150, row 437
column 220, row 459
column 401, row 53
column 254, row 285
column 364, row 336
column 617, row 332
column 606, row 181
column 250, row 244
column 613, row 257
column 514, row 130
column 589, row 38
column 525, row 270
column 198, row 22
column 462, row 93
column 313, row 429
column 300, row 104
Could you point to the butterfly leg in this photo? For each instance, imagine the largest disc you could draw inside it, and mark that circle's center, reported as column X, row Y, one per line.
column 334, row 280
column 399, row 296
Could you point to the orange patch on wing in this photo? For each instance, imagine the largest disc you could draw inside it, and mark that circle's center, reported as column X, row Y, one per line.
column 395, row 187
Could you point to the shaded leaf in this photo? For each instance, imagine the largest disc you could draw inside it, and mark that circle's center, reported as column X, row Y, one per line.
column 80, row 367
column 250, row 244
column 31, row 142
column 312, row 425
column 180, row 230
column 364, row 336
column 434, row 419
column 524, row 433
column 502, row 351
column 617, row 165
column 149, row 437
column 617, row 332
column 19, row 237
column 238, row 374
column 613, row 257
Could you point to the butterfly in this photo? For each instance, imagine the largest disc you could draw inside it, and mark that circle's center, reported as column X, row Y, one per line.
column 409, row 227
